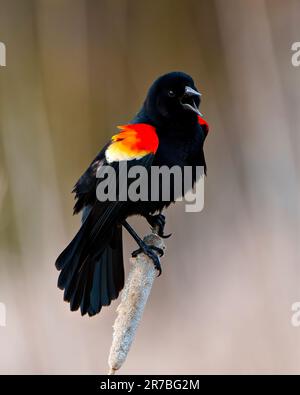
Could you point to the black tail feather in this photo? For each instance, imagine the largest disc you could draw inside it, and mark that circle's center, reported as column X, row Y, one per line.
column 92, row 281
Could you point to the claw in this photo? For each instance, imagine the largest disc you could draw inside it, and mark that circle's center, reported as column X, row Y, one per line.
column 157, row 249
column 156, row 262
column 149, row 251
column 163, row 236
column 158, row 268
column 146, row 249
column 159, row 221
column 135, row 253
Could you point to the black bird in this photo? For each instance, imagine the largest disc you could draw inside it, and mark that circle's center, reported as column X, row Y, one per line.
column 168, row 130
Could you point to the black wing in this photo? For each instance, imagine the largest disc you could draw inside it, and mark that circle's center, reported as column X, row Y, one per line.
column 85, row 188
column 92, row 272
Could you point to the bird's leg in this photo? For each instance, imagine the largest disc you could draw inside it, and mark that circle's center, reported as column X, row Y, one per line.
column 158, row 221
column 145, row 248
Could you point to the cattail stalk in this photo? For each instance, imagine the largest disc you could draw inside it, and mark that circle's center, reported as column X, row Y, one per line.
column 133, row 301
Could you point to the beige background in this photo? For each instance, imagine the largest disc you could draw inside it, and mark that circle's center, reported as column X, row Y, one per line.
column 75, row 70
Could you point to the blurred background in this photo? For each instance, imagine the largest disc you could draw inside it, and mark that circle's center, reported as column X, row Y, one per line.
column 75, row 70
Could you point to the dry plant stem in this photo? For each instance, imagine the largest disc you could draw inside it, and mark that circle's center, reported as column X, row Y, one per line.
column 133, row 301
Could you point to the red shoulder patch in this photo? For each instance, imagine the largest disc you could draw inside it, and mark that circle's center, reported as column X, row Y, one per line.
column 202, row 122
column 133, row 142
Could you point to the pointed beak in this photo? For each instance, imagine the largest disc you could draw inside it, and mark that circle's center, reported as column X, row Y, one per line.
column 187, row 100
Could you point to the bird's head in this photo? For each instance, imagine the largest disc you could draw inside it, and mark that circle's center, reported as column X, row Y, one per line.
column 173, row 96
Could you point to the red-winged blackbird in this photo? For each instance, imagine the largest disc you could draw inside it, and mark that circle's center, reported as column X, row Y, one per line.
column 167, row 131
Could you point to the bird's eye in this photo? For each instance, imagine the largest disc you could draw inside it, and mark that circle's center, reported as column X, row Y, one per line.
column 171, row 93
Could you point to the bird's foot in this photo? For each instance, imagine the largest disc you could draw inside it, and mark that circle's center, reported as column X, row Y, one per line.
column 150, row 251
column 158, row 221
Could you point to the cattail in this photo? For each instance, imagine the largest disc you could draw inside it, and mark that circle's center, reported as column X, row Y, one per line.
column 133, row 301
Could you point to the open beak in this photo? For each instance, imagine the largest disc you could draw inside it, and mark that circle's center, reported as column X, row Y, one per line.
column 188, row 102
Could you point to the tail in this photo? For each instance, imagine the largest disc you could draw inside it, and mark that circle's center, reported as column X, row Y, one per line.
column 92, row 280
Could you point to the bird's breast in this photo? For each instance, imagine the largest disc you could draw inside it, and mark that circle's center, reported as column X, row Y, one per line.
column 176, row 152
